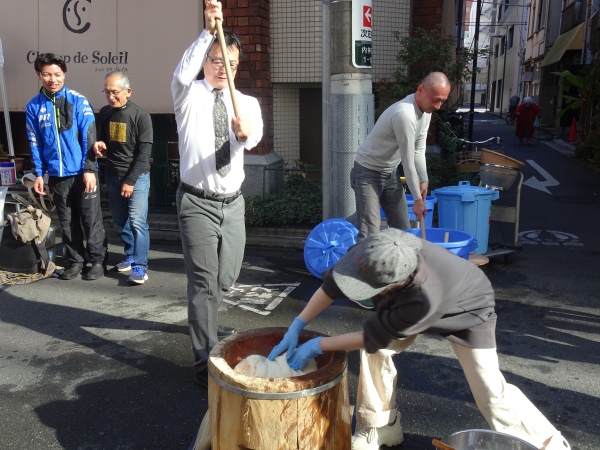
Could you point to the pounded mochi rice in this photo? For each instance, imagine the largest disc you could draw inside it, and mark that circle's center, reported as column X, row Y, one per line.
column 260, row 366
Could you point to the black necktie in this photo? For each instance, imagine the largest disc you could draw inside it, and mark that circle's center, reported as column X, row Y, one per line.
column 222, row 155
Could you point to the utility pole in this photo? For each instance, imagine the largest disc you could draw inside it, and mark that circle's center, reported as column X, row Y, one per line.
column 474, row 78
column 326, row 110
column 11, row 148
column 503, row 75
column 351, row 97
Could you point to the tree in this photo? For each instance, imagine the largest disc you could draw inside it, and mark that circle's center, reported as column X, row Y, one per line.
column 428, row 51
column 587, row 102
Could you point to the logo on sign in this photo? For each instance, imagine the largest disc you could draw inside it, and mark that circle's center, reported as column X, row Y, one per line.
column 367, row 16
column 75, row 13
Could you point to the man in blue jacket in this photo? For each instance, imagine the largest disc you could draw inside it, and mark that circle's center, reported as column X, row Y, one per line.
column 61, row 130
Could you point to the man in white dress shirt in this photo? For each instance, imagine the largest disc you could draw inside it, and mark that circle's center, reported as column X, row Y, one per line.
column 209, row 203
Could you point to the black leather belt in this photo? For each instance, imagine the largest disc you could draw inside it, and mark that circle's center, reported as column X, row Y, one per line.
column 207, row 195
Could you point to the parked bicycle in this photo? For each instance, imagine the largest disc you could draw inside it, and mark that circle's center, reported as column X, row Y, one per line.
column 510, row 118
column 468, row 161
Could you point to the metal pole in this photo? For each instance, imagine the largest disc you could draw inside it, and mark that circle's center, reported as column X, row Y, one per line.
column 11, row 149
column 503, row 78
column 585, row 33
column 326, row 112
column 474, row 77
column 487, row 83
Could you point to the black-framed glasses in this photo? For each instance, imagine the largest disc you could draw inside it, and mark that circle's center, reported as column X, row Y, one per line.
column 218, row 63
column 113, row 93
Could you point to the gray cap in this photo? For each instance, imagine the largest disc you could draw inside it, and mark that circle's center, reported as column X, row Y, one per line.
column 528, row 100
column 382, row 259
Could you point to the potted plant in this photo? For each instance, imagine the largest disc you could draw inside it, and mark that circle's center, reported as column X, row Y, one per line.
column 3, row 153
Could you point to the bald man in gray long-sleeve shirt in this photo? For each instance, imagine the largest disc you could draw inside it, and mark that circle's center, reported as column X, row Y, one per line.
column 398, row 137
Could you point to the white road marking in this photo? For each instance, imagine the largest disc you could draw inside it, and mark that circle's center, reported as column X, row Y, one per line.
column 254, row 297
column 534, row 183
column 549, row 237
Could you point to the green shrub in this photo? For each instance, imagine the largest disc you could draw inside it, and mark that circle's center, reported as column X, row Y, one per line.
column 299, row 204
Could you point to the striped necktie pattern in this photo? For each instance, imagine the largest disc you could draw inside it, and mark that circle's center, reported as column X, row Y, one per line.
column 222, row 154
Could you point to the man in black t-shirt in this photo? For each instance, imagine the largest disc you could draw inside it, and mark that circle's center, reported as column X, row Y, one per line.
column 125, row 132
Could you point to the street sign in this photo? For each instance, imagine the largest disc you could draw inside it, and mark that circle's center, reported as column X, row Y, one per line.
column 362, row 27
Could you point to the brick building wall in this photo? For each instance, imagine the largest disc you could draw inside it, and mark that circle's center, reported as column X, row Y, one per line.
column 427, row 14
column 250, row 20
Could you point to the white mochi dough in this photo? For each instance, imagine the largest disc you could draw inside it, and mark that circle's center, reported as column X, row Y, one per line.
column 260, row 366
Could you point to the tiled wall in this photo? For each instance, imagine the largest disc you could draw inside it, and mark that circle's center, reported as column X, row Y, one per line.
column 286, row 119
column 296, row 41
column 389, row 16
column 296, row 55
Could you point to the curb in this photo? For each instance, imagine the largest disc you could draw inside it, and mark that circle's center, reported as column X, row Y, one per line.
column 163, row 229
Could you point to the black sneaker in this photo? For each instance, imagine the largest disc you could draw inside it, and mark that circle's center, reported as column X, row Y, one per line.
column 201, row 379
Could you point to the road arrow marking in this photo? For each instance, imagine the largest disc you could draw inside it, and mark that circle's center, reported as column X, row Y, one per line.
column 534, row 183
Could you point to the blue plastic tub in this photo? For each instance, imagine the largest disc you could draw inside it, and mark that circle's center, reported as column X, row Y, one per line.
column 429, row 206
column 466, row 208
column 327, row 243
column 459, row 242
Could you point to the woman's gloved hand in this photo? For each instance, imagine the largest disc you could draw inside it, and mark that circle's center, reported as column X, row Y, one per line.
column 306, row 351
column 289, row 341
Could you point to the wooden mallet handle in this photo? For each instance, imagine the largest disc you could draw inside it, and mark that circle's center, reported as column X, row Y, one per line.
column 227, row 66
column 422, row 225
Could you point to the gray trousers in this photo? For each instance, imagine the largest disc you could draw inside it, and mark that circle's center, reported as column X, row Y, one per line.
column 372, row 188
column 213, row 237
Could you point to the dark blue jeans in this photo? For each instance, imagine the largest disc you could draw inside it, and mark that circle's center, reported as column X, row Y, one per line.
column 130, row 216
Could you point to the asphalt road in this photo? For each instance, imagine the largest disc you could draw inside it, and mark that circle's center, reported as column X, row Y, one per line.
column 103, row 365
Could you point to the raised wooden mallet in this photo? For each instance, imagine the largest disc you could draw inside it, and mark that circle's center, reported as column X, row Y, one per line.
column 228, row 73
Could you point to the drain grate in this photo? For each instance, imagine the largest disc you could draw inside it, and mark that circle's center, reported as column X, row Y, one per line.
column 571, row 199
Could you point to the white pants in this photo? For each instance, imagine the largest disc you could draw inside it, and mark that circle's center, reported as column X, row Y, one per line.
column 504, row 406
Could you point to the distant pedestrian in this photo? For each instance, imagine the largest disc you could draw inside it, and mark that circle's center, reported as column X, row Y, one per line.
column 62, row 131
column 526, row 114
column 125, row 130
column 513, row 103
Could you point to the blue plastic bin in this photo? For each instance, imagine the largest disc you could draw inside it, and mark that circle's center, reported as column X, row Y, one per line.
column 327, row 243
column 466, row 208
column 429, row 206
column 459, row 242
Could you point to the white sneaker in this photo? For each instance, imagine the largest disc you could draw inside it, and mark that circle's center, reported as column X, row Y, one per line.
column 373, row 438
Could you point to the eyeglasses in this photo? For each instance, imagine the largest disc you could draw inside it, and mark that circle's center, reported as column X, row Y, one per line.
column 218, row 63
column 113, row 93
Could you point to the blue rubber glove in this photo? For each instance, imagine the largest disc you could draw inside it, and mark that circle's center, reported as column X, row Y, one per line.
column 290, row 340
column 306, row 351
